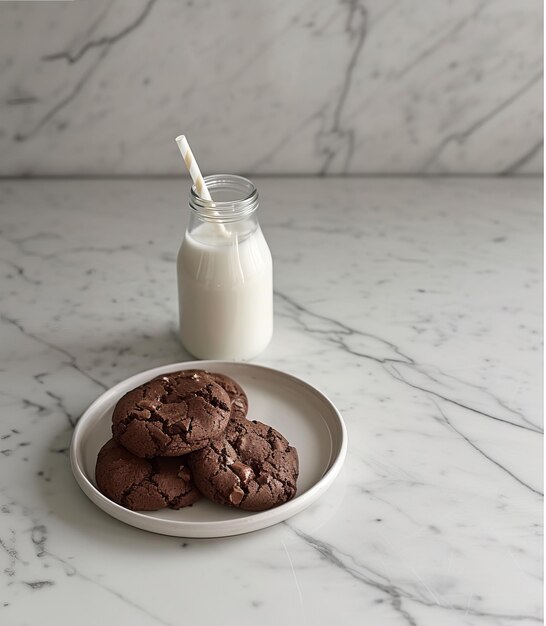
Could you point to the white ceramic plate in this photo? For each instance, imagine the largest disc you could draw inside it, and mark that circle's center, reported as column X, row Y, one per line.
column 298, row 410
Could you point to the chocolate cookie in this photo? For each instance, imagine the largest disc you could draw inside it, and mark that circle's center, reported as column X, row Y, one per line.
column 239, row 400
column 251, row 466
column 143, row 485
column 171, row 415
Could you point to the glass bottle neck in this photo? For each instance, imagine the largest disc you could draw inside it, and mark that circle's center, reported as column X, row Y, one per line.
column 214, row 233
column 232, row 199
column 230, row 214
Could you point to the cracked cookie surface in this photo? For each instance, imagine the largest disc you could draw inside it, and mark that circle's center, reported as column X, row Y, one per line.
column 237, row 395
column 171, row 415
column 251, row 466
column 141, row 484
column 239, row 400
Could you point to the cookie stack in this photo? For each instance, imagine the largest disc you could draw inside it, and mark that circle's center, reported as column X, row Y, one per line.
column 185, row 434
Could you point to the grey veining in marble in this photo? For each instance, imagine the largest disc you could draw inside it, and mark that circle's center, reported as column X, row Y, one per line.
column 351, row 86
column 413, row 304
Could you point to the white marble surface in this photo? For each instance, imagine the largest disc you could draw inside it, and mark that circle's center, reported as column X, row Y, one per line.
column 414, row 305
column 355, row 86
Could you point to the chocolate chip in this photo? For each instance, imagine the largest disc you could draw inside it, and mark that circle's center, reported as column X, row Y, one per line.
column 184, row 473
column 236, row 496
column 244, row 472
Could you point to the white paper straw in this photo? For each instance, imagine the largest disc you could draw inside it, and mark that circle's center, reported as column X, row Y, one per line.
column 197, row 177
column 193, row 168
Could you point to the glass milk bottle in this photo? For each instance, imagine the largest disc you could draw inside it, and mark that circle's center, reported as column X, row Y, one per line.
column 225, row 274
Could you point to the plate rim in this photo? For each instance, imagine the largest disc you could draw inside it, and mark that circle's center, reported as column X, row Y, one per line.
column 258, row 520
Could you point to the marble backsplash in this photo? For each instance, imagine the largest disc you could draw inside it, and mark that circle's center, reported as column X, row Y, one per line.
column 293, row 86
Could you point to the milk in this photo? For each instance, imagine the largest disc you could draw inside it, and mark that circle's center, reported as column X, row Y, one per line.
column 225, row 287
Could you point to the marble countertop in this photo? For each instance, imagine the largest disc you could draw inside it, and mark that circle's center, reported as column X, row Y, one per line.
column 414, row 304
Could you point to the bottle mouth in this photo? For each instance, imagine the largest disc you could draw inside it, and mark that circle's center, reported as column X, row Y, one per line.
column 233, row 198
